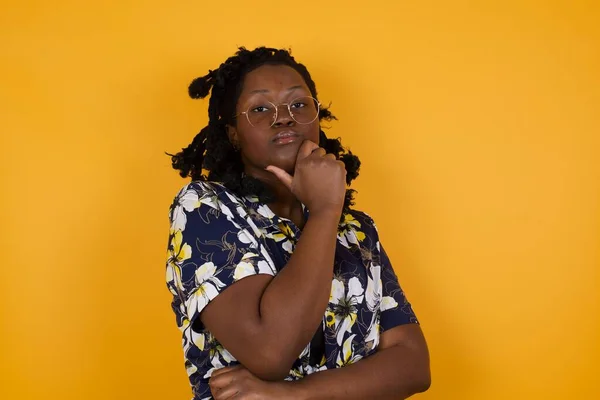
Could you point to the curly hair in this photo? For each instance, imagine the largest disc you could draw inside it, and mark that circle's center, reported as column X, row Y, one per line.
column 211, row 156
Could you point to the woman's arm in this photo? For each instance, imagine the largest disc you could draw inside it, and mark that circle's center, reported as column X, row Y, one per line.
column 266, row 322
column 399, row 369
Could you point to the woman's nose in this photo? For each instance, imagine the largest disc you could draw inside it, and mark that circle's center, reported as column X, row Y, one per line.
column 283, row 117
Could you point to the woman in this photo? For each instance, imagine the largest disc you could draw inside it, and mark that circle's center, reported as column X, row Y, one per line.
column 280, row 289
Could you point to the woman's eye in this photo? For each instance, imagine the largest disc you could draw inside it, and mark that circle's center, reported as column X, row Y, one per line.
column 260, row 109
column 298, row 104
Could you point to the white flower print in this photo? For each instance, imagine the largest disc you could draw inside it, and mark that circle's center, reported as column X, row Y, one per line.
column 282, row 237
column 233, row 199
column 208, row 289
column 198, row 339
column 206, row 273
column 267, row 257
column 226, row 211
column 347, row 356
column 257, row 232
column 218, row 238
column 218, row 352
column 210, row 199
column 246, row 237
column 373, row 296
column 265, row 268
column 191, row 369
column 247, row 267
column 372, row 335
column 374, row 290
column 177, row 253
column 304, row 370
column 244, row 268
column 349, row 234
column 265, row 211
column 186, row 200
column 388, row 302
column 344, row 306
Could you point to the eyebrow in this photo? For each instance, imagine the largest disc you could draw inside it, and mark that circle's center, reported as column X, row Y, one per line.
column 267, row 90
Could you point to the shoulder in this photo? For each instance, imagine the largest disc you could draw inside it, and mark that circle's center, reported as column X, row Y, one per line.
column 357, row 228
column 211, row 194
column 361, row 215
column 361, row 220
column 205, row 189
column 202, row 198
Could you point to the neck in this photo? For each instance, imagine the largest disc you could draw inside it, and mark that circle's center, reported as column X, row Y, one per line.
column 286, row 205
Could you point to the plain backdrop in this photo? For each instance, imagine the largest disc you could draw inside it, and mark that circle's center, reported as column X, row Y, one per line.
column 477, row 123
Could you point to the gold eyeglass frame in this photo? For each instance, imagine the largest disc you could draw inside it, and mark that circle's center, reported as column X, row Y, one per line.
column 276, row 107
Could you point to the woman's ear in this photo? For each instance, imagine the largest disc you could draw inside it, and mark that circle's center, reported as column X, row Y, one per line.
column 232, row 134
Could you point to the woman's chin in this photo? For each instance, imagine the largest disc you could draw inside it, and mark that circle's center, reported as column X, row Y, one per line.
column 288, row 164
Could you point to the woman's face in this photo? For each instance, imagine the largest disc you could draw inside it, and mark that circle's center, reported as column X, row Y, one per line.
column 262, row 145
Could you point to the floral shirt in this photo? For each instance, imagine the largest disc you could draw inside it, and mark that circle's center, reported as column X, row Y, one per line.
column 217, row 238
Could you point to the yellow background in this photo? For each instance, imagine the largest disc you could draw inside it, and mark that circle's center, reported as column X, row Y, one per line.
column 477, row 124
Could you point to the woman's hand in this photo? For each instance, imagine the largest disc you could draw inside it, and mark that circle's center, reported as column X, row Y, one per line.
column 238, row 383
column 319, row 179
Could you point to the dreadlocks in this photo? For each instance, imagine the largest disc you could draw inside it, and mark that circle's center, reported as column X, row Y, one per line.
column 211, row 156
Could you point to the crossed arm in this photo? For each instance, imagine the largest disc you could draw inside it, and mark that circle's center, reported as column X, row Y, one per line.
column 399, row 369
column 266, row 335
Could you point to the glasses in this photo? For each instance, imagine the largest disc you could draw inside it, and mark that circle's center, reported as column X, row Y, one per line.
column 264, row 114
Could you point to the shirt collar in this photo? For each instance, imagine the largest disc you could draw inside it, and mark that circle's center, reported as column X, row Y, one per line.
column 263, row 216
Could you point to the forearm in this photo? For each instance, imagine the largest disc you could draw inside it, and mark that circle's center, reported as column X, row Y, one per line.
column 394, row 373
column 293, row 303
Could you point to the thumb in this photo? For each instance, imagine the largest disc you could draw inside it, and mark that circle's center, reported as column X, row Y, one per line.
column 283, row 176
column 306, row 149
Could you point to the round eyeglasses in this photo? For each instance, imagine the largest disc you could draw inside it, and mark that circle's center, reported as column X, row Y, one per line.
column 264, row 114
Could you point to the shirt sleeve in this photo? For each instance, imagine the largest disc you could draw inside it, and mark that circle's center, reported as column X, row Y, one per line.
column 395, row 307
column 210, row 247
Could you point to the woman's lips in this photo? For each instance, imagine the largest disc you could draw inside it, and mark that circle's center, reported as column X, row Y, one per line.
column 286, row 137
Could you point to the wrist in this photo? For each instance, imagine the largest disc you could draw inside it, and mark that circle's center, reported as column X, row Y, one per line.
column 292, row 390
column 329, row 213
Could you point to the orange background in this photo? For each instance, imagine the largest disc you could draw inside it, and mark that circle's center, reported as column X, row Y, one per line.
column 477, row 124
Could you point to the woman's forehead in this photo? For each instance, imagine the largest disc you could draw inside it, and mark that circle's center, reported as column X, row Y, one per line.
column 272, row 78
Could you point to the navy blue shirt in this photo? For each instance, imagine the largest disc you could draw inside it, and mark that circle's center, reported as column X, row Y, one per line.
column 217, row 238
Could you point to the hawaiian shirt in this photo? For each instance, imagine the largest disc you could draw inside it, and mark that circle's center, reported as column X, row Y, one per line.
column 217, row 238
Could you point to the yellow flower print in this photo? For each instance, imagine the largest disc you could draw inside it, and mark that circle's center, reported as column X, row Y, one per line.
column 190, row 368
column 372, row 337
column 346, row 356
column 198, row 339
column 209, row 287
column 247, row 266
column 186, row 201
column 388, row 302
column 242, row 270
column 329, row 318
column 283, row 237
column 345, row 305
column 177, row 253
column 217, row 355
column 349, row 233
column 285, row 228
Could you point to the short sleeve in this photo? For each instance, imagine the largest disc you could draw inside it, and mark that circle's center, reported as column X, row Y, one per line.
column 395, row 307
column 211, row 246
